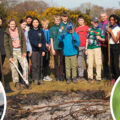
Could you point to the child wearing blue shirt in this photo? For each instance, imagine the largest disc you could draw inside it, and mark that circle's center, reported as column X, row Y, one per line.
column 46, row 58
column 71, row 42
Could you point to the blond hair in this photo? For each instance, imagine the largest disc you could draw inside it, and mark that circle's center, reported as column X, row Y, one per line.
column 57, row 17
column 45, row 21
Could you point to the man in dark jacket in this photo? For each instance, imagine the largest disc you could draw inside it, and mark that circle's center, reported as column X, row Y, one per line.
column 2, row 49
column 104, row 47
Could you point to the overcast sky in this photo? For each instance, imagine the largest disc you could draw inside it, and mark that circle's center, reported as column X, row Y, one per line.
column 76, row 3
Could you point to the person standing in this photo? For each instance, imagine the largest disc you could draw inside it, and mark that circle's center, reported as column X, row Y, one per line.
column 56, row 49
column 81, row 30
column 104, row 45
column 2, row 49
column 15, row 47
column 64, row 22
column 114, row 32
column 93, row 50
column 29, row 21
column 46, row 58
column 37, row 40
column 71, row 42
column 23, row 25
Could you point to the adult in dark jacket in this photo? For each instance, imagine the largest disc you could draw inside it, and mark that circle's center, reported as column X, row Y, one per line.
column 104, row 47
column 37, row 40
column 2, row 49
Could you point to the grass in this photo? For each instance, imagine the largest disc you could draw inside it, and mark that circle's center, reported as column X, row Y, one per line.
column 82, row 85
column 62, row 86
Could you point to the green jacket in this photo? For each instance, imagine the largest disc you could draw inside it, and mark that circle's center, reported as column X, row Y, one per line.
column 54, row 33
column 8, row 42
column 63, row 27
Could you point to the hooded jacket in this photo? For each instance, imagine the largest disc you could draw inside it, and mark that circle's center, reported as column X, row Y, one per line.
column 71, row 42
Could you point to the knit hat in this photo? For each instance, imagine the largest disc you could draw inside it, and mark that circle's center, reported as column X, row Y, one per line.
column 95, row 19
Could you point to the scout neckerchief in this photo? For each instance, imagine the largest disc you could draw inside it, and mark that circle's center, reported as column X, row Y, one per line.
column 104, row 23
column 112, row 27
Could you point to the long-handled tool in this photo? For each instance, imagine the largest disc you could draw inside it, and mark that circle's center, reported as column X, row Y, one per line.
column 109, row 60
column 29, row 66
column 26, row 82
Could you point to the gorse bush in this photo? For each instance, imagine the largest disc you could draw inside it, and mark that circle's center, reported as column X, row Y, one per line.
column 49, row 14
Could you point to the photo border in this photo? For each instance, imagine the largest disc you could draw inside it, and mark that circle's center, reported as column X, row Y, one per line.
column 111, row 97
column 5, row 101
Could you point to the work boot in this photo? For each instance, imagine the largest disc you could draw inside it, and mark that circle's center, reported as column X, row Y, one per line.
column 75, row 80
column 89, row 80
column 62, row 78
column 41, row 81
column 36, row 82
column 18, row 85
column 57, row 79
column 98, row 81
column 68, row 81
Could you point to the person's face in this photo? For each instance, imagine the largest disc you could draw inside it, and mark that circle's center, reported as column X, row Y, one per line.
column 0, row 22
column 112, row 21
column 70, row 31
column 23, row 25
column 103, row 17
column 57, row 21
column 64, row 18
column 35, row 23
column 12, row 25
column 45, row 25
column 81, row 21
column 29, row 20
column 95, row 24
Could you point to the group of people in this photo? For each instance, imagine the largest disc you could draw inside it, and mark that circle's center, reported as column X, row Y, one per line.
column 34, row 41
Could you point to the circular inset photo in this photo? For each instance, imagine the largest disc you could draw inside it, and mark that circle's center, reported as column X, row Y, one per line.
column 2, row 102
column 115, row 100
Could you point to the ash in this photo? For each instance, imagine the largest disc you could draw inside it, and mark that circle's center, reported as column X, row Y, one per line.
column 75, row 105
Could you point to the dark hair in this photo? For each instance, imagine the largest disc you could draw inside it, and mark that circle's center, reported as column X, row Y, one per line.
column 29, row 17
column 22, row 21
column 1, row 18
column 38, row 22
column 116, row 18
column 64, row 14
column 81, row 17
column 12, row 20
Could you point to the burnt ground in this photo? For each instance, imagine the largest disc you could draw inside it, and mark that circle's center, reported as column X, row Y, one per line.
column 74, row 105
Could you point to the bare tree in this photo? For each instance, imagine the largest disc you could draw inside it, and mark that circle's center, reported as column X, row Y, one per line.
column 9, row 3
column 83, row 7
column 38, row 6
column 96, row 10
